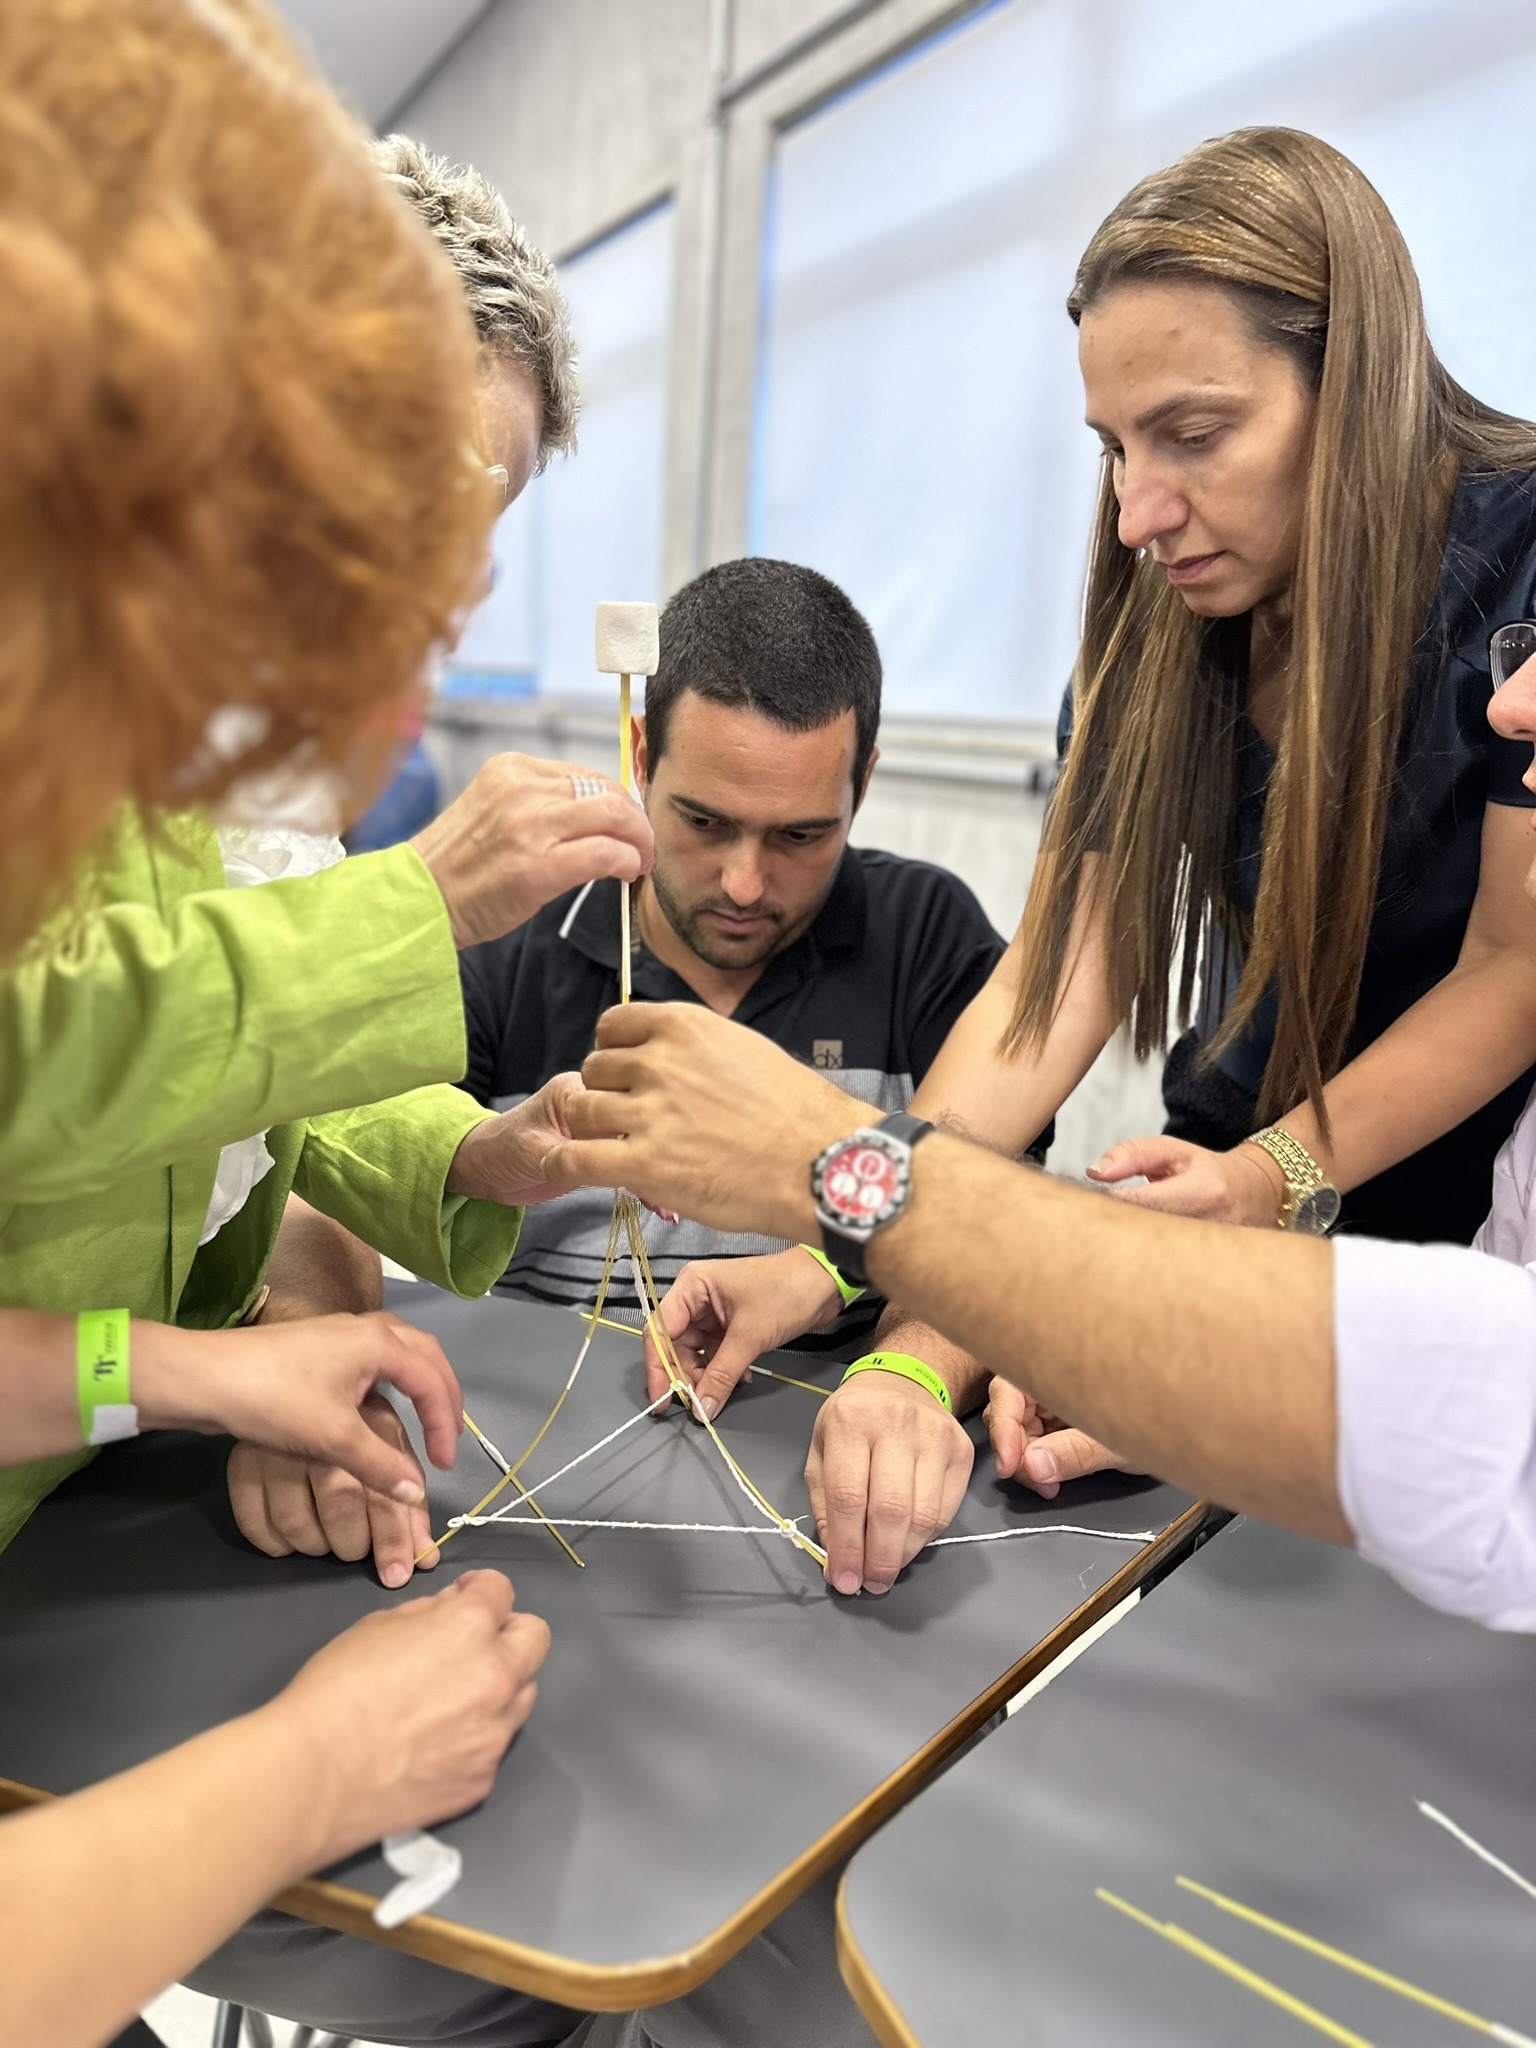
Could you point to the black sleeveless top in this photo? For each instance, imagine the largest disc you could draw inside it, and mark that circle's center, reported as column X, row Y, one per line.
column 1452, row 765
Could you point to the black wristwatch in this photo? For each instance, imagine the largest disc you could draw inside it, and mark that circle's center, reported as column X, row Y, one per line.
column 861, row 1184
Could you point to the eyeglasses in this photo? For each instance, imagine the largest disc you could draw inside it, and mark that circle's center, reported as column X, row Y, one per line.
column 1510, row 648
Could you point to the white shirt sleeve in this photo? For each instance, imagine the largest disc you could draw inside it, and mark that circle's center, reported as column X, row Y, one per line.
column 1435, row 1352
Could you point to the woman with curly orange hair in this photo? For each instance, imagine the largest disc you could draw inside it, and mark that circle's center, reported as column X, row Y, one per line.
column 240, row 503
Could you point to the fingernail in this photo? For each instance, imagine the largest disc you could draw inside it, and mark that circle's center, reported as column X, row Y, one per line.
column 847, row 1582
column 872, row 1586
column 708, row 1406
column 395, row 1575
column 1042, row 1466
column 408, row 1493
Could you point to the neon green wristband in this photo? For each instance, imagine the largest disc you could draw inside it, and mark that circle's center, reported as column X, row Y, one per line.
column 907, row 1368
column 107, row 1412
column 850, row 1294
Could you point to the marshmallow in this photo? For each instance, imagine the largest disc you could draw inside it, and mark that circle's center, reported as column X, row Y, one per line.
column 627, row 640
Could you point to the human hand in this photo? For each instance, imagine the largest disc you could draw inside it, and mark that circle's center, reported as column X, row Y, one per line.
column 409, row 1712
column 284, row 1504
column 519, row 836
column 1241, row 1186
column 1036, row 1448
column 723, row 1314
column 887, row 1469
column 502, row 1159
column 694, row 1113
column 303, row 1388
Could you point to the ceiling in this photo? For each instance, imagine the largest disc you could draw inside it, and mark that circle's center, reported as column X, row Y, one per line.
column 376, row 52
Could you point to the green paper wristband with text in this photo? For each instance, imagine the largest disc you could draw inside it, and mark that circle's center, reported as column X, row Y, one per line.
column 101, row 1368
column 907, row 1368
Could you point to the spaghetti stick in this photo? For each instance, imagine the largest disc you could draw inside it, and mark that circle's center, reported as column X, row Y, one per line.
column 501, row 1465
column 682, row 1386
column 509, row 1476
column 1345, row 1961
column 1250, row 1980
column 628, row 643
column 627, row 779
column 605, row 1280
column 784, row 1378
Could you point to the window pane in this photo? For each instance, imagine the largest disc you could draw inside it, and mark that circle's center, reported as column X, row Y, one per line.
column 591, row 527
column 919, row 432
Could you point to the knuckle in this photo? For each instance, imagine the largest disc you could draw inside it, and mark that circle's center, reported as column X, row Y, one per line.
column 889, row 1508
column 845, row 1498
column 299, row 1533
column 334, row 1488
column 258, row 1534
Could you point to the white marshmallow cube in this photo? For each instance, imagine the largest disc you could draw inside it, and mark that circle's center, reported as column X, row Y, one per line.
column 628, row 643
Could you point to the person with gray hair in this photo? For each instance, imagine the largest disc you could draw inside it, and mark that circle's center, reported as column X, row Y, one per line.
column 518, row 308
column 529, row 394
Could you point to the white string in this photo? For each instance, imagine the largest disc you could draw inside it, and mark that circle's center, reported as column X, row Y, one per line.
column 584, row 1522
column 505, row 1518
column 481, row 1521
column 1044, row 1529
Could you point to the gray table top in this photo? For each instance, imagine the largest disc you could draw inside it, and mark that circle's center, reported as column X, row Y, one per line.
column 713, row 1728
column 1264, row 1723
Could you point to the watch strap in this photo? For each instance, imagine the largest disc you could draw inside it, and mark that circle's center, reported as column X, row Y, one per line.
column 848, row 1293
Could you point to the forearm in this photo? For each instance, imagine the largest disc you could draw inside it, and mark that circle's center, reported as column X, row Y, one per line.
column 1004, row 1099
column 107, row 1897
column 170, row 1380
column 318, row 1268
column 1201, row 1352
column 1208, row 1361
column 1468, row 1038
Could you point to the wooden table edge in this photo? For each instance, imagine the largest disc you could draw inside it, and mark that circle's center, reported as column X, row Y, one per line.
column 627, row 1987
column 869, row 1994
column 886, row 2020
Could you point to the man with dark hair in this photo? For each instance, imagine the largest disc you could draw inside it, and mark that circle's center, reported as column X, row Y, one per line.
column 771, row 637
column 753, row 756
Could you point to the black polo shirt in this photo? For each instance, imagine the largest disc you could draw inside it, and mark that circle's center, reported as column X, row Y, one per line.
column 1451, row 766
column 868, row 995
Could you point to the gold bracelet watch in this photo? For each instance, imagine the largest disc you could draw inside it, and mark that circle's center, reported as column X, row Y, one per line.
column 1312, row 1202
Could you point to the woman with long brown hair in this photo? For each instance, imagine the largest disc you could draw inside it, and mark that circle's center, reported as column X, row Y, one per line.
column 1282, row 814
column 1281, row 792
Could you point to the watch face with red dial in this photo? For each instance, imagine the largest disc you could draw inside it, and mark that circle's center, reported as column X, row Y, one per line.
column 860, row 1183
